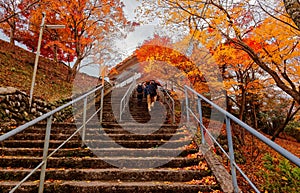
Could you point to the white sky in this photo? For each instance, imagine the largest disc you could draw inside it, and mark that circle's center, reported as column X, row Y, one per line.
column 128, row 45
column 140, row 34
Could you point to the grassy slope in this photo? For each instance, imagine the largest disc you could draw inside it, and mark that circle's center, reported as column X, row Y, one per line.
column 16, row 67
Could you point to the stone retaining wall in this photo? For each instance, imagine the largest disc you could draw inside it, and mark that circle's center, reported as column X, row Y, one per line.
column 14, row 107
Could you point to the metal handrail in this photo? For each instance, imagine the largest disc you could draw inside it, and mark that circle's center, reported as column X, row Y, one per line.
column 125, row 99
column 49, row 117
column 129, row 80
column 172, row 108
column 229, row 117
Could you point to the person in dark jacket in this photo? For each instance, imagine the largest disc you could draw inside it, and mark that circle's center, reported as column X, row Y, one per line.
column 140, row 90
column 151, row 94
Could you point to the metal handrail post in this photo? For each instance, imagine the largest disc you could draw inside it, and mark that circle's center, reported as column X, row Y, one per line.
column 173, row 105
column 173, row 110
column 187, row 105
column 84, row 121
column 45, row 154
column 101, row 105
column 125, row 98
column 201, row 120
column 121, row 107
column 231, row 155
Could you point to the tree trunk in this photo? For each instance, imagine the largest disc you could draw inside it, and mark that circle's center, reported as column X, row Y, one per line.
column 73, row 71
column 289, row 117
column 242, row 105
column 255, row 124
column 55, row 53
column 228, row 104
column 241, row 117
column 292, row 7
column 69, row 77
column 278, row 131
column 12, row 33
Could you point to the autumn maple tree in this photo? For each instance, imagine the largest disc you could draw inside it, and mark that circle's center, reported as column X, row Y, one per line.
column 11, row 16
column 274, row 45
column 242, row 79
column 238, row 20
column 162, row 59
column 87, row 24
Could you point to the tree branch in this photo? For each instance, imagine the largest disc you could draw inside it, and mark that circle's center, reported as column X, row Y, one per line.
column 16, row 13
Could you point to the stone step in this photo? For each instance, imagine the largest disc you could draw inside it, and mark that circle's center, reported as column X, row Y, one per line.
column 144, row 117
column 144, row 131
column 41, row 136
column 99, row 163
column 147, row 131
column 109, row 103
column 40, row 130
column 97, row 143
column 154, row 136
column 98, row 135
column 39, row 143
column 85, row 152
column 58, row 127
column 110, row 187
column 138, row 120
column 125, row 175
column 134, row 125
column 70, row 128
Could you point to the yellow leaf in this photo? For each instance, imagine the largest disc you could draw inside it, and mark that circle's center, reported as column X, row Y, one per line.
column 284, row 178
column 36, row 181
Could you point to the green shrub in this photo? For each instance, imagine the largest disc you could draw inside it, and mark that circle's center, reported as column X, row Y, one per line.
column 293, row 129
column 280, row 176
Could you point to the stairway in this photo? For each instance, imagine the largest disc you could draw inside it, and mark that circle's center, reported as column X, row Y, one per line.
column 143, row 153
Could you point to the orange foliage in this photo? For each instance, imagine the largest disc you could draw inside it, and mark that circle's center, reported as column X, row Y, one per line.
column 161, row 58
column 264, row 32
column 86, row 23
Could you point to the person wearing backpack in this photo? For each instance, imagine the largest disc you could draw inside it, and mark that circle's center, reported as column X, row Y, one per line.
column 151, row 94
column 156, row 84
column 139, row 91
column 147, row 95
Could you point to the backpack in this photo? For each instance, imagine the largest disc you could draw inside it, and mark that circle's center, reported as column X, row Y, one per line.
column 152, row 90
column 139, row 89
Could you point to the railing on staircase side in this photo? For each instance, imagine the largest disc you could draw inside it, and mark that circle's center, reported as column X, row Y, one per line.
column 125, row 99
column 49, row 116
column 168, row 99
column 198, row 116
column 129, row 80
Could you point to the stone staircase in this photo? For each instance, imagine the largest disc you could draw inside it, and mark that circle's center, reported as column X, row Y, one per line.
column 143, row 153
